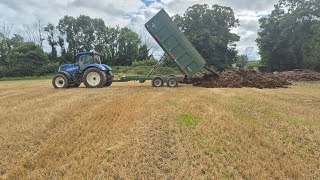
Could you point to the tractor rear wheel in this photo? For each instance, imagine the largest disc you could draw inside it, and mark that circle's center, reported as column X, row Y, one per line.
column 60, row 81
column 108, row 83
column 109, row 79
column 94, row 78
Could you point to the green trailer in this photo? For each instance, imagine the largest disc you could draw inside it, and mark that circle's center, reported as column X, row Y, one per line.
column 176, row 46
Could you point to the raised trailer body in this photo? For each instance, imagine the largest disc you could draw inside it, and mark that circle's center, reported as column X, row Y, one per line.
column 175, row 44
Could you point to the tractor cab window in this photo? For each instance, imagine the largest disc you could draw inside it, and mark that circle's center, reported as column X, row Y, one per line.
column 97, row 59
column 84, row 60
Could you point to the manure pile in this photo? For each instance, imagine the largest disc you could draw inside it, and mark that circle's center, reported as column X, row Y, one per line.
column 300, row 75
column 239, row 79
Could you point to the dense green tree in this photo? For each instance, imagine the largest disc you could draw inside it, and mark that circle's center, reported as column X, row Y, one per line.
column 143, row 53
column 112, row 39
column 61, row 43
column 3, row 49
column 67, row 28
column 242, row 61
column 84, row 33
column 100, row 33
column 120, row 46
column 51, row 36
column 209, row 30
column 15, row 41
column 128, row 42
column 7, row 44
column 27, row 59
column 289, row 36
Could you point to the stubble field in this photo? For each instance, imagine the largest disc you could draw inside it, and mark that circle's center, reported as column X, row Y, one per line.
column 134, row 131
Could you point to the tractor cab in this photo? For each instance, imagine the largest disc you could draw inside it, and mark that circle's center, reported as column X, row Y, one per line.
column 86, row 58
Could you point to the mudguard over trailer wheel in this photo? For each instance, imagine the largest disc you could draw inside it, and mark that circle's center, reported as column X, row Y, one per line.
column 94, row 78
column 60, row 81
column 157, row 81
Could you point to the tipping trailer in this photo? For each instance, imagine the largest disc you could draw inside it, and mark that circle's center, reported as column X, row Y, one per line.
column 93, row 74
column 176, row 46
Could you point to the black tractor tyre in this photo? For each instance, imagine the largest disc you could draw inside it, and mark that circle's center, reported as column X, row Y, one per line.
column 108, row 83
column 157, row 82
column 76, row 85
column 172, row 81
column 109, row 80
column 60, row 81
column 94, row 78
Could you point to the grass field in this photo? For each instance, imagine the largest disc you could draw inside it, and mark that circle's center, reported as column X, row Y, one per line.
column 133, row 131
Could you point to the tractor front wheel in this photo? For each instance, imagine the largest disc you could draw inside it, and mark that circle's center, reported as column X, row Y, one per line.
column 94, row 78
column 60, row 81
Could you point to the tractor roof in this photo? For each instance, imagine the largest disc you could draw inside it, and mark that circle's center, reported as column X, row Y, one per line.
column 87, row 53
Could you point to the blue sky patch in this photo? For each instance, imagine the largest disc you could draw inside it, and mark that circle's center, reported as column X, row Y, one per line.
column 149, row 2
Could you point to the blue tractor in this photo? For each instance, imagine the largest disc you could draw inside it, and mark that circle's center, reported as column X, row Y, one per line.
column 88, row 70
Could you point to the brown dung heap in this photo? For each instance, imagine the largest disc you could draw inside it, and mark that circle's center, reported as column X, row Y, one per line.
column 300, row 75
column 239, row 79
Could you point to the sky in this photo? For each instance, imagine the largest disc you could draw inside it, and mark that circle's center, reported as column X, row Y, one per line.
column 134, row 13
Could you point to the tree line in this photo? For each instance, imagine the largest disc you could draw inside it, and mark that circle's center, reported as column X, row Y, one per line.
column 120, row 46
column 290, row 36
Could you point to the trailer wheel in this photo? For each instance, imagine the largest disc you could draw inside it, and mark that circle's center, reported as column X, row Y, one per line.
column 94, row 78
column 172, row 81
column 60, row 81
column 157, row 82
